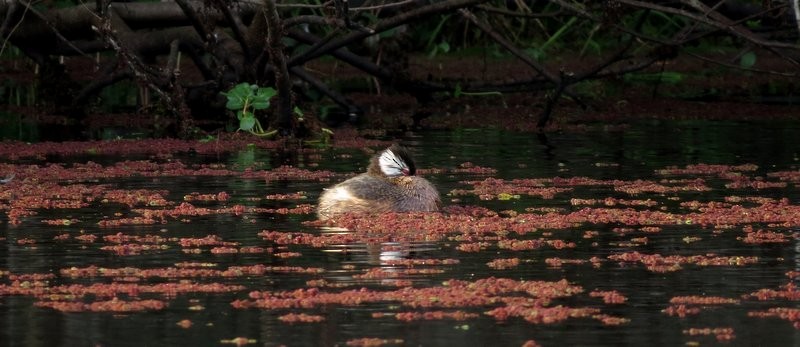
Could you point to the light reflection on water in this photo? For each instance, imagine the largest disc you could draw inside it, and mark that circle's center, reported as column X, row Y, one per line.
column 630, row 154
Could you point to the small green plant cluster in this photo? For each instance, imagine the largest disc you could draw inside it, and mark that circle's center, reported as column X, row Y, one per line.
column 245, row 99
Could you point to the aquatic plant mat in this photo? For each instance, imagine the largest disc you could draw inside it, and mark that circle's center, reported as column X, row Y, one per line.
column 577, row 240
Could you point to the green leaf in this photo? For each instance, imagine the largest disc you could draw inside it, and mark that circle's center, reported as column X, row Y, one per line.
column 747, row 60
column 444, row 46
column 260, row 100
column 247, row 123
column 238, row 96
column 266, row 93
column 234, row 103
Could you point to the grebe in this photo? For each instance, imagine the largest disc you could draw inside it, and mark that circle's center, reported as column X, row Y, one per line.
column 389, row 185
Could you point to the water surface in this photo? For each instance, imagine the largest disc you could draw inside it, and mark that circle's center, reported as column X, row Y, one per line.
column 633, row 153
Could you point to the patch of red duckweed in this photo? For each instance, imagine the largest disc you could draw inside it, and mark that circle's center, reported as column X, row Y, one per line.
column 372, row 342
column 681, row 310
column 292, row 196
column 660, row 263
column 790, row 314
column 609, row 296
column 428, row 315
column 26, row 241
column 491, row 188
column 702, row 300
column 126, row 221
column 610, row 320
column 558, row 262
column 706, row 169
column 289, row 173
column 472, row 247
column 136, row 197
column 300, row 318
column 86, row 238
column 650, row 229
column 31, row 277
column 132, row 248
column 418, row 262
column 757, row 183
column 238, row 341
column 209, row 240
column 475, row 211
column 113, row 305
column 643, row 186
column 517, row 296
column 195, row 196
column 788, row 291
column 765, row 236
column 177, row 272
column 61, row 222
column 541, row 315
column 195, row 264
column 125, row 238
column 721, row 334
column 226, row 143
column 224, row 250
column 382, row 272
column 285, row 255
column 468, row 167
column 252, row 249
column 521, row 245
column 504, row 263
column 609, row 201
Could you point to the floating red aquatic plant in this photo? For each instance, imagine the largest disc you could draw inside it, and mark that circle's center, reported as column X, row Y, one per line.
column 502, row 264
column 300, row 318
column 468, row 167
column 61, row 222
column 472, row 246
column 113, row 305
column 609, row 296
column 428, row 315
column 702, row 300
column 287, row 254
column 721, row 334
column 706, row 169
column 681, row 310
column 372, row 342
column 238, row 341
column 292, row 196
column 659, row 263
column 609, row 201
column 491, row 188
column 790, row 314
column 766, row 236
column 788, row 291
column 26, row 241
column 419, row 262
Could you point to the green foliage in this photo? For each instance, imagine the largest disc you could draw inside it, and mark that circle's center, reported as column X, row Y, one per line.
column 245, row 99
column 747, row 60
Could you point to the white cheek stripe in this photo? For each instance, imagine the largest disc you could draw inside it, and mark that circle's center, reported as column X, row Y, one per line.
column 390, row 164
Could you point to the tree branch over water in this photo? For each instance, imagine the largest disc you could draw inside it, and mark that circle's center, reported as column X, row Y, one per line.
column 270, row 43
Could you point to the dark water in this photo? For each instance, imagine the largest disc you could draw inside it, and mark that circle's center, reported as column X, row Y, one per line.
column 629, row 154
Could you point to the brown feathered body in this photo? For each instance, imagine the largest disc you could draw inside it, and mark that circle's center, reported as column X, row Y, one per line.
column 389, row 185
